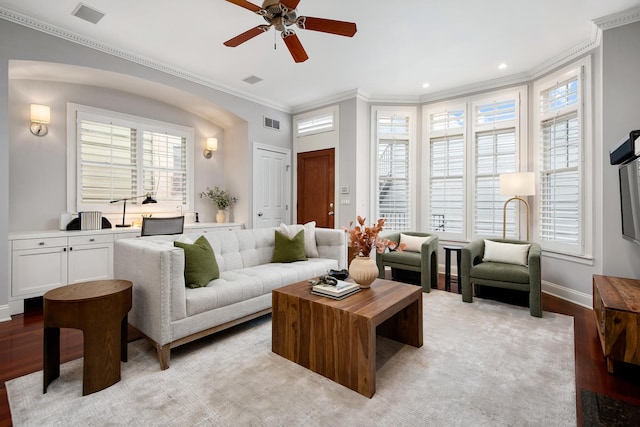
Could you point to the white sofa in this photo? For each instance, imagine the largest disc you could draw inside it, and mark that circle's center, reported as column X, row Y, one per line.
column 169, row 314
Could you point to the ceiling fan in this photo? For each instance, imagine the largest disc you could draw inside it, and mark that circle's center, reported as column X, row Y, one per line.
column 281, row 14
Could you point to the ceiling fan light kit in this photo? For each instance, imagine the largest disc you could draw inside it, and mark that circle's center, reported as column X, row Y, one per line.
column 282, row 14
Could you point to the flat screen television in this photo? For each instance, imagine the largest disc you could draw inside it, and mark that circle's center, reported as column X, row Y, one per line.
column 630, row 199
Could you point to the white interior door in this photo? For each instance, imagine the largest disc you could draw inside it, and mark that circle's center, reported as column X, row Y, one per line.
column 271, row 186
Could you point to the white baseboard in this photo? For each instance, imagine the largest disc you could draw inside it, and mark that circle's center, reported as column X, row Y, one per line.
column 571, row 295
column 5, row 313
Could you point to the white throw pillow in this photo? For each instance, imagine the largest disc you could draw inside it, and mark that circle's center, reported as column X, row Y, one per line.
column 414, row 243
column 509, row 253
column 310, row 246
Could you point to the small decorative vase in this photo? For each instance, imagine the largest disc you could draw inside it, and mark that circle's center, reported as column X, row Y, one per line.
column 363, row 270
column 220, row 217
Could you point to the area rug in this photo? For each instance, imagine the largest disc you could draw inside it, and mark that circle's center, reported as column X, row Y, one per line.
column 599, row 410
column 482, row 364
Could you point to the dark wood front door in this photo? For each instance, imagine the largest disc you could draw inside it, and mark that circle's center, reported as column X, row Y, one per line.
column 316, row 177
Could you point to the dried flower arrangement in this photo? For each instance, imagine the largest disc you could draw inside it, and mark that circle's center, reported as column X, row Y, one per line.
column 364, row 239
column 219, row 197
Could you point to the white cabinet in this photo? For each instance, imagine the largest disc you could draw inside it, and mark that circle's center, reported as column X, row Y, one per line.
column 40, row 264
column 90, row 258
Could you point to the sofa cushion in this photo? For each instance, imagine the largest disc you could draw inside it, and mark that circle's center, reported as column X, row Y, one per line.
column 288, row 249
column 406, row 258
column 509, row 253
column 200, row 265
column 413, row 243
column 310, row 245
column 500, row 272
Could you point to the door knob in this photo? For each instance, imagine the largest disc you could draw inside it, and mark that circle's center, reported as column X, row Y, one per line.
column 260, row 214
column 331, row 213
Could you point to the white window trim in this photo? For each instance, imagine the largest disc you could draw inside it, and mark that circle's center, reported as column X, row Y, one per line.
column 329, row 111
column 583, row 69
column 426, row 156
column 468, row 134
column 144, row 123
column 520, row 124
column 411, row 112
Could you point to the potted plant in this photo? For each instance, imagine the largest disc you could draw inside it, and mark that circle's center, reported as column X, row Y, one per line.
column 364, row 239
column 221, row 198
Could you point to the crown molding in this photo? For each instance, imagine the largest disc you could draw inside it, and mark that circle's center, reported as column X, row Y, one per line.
column 618, row 19
column 36, row 24
column 329, row 100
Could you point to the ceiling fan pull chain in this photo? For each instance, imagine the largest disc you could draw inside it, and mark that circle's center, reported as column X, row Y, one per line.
column 274, row 41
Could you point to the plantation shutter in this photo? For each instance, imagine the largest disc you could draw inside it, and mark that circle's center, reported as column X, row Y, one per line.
column 107, row 161
column 393, row 171
column 165, row 166
column 560, row 199
column 317, row 124
column 496, row 152
column 446, row 180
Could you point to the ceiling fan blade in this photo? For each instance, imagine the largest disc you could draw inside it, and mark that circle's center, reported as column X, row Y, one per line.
column 295, row 47
column 247, row 35
column 291, row 4
column 340, row 28
column 247, row 5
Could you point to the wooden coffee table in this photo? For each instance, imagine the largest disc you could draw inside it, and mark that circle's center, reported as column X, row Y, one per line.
column 337, row 339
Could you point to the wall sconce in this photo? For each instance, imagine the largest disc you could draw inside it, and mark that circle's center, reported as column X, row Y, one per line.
column 212, row 145
column 516, row 184
column 40, row 116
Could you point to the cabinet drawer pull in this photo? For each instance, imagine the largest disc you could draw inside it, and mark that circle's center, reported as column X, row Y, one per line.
column 64, row 249
column 92, row 240
column 41, row 243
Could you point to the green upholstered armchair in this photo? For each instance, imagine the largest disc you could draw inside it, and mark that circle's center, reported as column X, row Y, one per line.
column 425, row 261
column 502, row 275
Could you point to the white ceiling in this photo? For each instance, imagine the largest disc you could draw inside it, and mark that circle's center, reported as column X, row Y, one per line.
column 399, row 45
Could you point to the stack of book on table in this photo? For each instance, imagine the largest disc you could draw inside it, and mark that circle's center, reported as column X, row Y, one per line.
column 341, row 290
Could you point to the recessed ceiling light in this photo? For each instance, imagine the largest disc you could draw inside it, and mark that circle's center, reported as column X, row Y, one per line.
column 425, row 85
column 502, row 66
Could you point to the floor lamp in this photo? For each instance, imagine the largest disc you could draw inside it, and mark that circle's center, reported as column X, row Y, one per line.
column 148, row 199
column 516, row 184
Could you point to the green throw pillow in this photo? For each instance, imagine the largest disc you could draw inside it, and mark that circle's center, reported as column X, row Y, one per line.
column 200, row 266
column 289, row 249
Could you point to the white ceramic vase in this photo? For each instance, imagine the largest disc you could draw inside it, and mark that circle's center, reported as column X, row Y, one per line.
column 363, row 270
column 221, row 216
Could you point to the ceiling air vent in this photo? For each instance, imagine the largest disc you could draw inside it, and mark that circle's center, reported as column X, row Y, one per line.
column 87, row 13
column 252, row 80
column 271, row 123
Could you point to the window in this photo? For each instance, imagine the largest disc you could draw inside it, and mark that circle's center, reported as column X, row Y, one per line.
column 322, row 121
column 119, row 156
column 394, row 136
column 562, row 145
column 496, row 152
column 447, row 171
column 470, row 143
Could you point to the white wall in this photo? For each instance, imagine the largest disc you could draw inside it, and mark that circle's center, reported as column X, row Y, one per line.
column 38, row 169
column 621, row 114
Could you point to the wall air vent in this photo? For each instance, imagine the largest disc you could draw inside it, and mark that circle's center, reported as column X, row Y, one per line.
column 87, row 13
column 271, row 123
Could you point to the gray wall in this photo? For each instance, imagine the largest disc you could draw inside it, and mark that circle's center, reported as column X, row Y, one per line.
column 621, row 113
column 22, row 43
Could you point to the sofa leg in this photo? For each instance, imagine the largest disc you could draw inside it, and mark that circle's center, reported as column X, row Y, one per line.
column 164, row 355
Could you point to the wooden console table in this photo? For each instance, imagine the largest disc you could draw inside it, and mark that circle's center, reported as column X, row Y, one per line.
column 616, row 304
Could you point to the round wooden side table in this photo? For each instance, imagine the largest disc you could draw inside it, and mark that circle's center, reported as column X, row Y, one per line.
column 100, row 310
